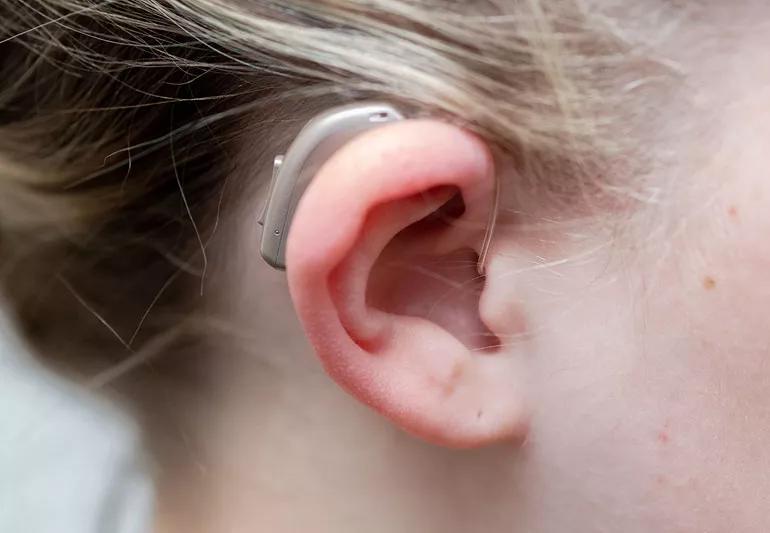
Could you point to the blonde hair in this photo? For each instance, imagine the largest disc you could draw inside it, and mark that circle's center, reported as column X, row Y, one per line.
column 123, row 125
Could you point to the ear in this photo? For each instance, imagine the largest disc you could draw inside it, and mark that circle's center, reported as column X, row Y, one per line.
column 381, row 263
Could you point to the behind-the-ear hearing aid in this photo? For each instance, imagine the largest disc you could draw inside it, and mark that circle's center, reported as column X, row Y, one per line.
column 314, row 145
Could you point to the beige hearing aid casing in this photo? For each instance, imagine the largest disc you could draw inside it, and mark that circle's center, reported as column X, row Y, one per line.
column 315, row 144
column 293, row 172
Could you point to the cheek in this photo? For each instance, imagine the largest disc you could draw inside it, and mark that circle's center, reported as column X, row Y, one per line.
column 726, row 293
column 702, row 375
column 733, row 237
column 658, row 405
column 654, row 403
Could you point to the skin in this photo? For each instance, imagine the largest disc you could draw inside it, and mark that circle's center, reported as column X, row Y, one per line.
column 632, row 373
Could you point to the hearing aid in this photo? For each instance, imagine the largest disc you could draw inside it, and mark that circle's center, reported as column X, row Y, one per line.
column 314, row 145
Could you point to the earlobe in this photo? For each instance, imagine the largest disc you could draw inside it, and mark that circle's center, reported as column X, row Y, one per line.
column 369, row 257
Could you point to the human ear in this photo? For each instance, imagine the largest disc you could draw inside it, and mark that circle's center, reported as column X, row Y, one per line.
column 381, row 263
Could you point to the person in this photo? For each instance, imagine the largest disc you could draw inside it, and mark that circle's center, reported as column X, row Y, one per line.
column 607, row 369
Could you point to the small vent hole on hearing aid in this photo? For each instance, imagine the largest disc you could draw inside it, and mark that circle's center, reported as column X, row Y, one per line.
column 379, row 117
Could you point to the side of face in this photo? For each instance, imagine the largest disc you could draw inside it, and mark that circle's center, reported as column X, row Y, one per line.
column 649, row 353
column 625, row 376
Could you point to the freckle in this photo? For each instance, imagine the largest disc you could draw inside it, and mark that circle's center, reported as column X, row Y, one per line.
column 661, row 480
column 479, row 414
column 709, row 283
column 663, row 437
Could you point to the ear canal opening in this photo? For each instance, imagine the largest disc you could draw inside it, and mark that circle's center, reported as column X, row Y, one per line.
column 412, row 279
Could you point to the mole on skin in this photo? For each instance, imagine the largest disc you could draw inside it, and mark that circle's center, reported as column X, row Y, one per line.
column 709, row 283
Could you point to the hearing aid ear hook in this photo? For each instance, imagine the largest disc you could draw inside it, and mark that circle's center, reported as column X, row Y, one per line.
column 315, row 144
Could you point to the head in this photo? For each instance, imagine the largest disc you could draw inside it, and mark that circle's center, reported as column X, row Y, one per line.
column 607, row 370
